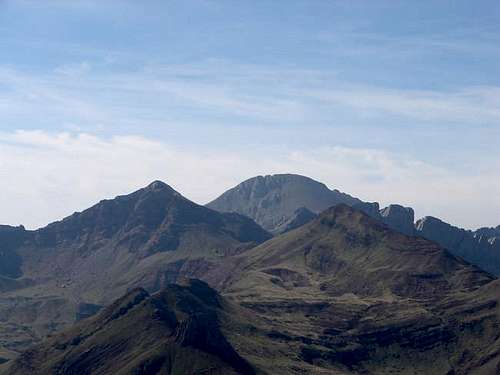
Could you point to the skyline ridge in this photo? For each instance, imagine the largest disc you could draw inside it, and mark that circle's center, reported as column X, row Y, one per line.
column 162, row 185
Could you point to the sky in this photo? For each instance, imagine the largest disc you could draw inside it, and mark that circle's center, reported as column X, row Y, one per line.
column 390, row 101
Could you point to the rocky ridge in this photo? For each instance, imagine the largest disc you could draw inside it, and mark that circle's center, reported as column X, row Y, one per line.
column 63, row 272
column 274, row 200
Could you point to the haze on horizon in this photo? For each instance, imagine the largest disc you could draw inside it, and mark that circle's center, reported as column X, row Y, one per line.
column 389, row 101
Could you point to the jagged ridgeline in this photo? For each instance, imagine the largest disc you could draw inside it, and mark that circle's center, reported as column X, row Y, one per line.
column 286, row 201
column 345, row 290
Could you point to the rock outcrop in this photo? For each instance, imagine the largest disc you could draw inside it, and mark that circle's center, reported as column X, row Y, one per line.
column 399, row 218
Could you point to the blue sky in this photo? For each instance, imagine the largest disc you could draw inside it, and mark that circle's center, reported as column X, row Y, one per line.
column 391, row 101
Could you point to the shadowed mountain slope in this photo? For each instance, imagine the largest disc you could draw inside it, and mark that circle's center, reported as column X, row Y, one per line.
column 10, row 262
column 180, row 330
column 149, row 238
column 481, row 247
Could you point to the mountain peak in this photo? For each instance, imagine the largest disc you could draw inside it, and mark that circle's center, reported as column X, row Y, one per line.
column 351, row 252
column 283, row 177
column 348, row 217
column 157, row 186
column 272, row 200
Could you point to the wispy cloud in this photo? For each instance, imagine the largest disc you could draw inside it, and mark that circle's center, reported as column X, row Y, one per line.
column 262, row 94
column 472, row 105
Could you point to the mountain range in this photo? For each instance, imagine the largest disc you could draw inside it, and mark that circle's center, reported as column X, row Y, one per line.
column 285, row 201
column 342, row 289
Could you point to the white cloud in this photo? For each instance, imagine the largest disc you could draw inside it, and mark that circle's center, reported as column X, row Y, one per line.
column 46, row 176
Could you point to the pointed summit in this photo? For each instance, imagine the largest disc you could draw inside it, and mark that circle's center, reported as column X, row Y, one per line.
column 148, row 238
column 158, row 185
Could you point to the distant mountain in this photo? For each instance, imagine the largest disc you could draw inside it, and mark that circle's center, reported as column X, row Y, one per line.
column 180, row 330
column 275, row 201
column 67, row 270
column 490, row 233
column 481, row 247
column 399, row 218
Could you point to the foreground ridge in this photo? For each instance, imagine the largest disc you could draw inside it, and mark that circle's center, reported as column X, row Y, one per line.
column 178, row 330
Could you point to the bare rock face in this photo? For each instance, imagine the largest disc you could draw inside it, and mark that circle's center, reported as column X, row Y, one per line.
column 278, row 203
column 475, row 247
column 273, row 200
column 399, row 218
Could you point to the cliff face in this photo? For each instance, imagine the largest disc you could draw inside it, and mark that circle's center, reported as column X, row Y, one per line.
column 399, row 218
